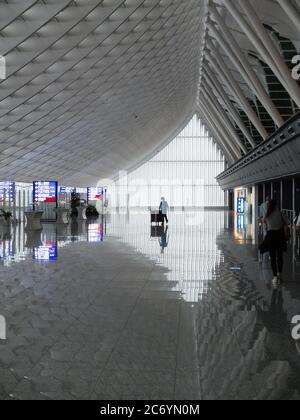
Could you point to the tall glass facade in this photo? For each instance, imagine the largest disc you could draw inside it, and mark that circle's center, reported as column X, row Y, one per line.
column 184, row 173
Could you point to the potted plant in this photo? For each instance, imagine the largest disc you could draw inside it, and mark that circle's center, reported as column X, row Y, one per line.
column 6, row 216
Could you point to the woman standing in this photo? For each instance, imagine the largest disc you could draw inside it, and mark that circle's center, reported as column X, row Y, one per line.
column 276, row 239
column 163, row 210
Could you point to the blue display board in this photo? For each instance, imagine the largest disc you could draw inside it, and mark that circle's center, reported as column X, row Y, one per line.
column 7, row 189
column 95, row 194
column 47, row 252
column 67, row 190
column 241, row 222
column 45, row 192
column 241, row 205
column 95, row 233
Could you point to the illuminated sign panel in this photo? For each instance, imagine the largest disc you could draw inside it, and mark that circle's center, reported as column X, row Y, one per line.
column 241, row 205
column 95, row 194
column 7, row 189
column 45, row 191
column 47, row 252
column 67, row 190
column 241, row 222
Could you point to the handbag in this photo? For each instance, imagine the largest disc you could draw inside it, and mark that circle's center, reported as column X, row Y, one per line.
column 264, row 246
column 286, row 230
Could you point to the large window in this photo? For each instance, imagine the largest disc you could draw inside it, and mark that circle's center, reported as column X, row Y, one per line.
column 184, row 173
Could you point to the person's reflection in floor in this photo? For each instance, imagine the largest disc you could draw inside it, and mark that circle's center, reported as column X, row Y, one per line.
column 164, row 240
column 279, row 342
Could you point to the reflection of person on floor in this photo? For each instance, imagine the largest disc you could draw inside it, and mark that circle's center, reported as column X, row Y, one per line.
column 163, row 209
column 164, row 240
column 278, row 343
column 275, row 319
column 276, row 241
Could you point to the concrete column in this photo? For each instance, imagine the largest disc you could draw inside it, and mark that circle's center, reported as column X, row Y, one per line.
column 215, row 84
column 294, row 198
column 227, row 122
column 24, row 205
column 255, row 214
column 272, row 190
column 291, row 11
column 15, row 205
column 19, row 193
column 239, row 60
column 264, row 45
column 233, row 86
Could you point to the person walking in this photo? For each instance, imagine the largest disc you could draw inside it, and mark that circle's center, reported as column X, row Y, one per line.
column 262, row 215
column 276, row 240
column 163, row 210
column 262, row 226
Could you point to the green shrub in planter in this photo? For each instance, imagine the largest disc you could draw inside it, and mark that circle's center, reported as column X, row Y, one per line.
column 6, row 215
column 91, row 211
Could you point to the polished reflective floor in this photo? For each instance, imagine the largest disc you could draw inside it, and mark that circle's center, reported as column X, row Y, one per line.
column 119, row 309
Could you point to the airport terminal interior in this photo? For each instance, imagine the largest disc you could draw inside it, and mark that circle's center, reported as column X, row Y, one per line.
column 149, row 184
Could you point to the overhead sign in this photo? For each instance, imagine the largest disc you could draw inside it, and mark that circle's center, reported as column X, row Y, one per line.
column 45, row 191
column 67, row 190
column 95, row 194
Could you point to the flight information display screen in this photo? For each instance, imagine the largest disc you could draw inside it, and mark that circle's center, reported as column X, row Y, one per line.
column 45, row 191
column 95, row 194
column 67, row 190
column 7, row 190
column 47, row 252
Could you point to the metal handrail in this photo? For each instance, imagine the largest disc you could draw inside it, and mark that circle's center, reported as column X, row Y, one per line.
column 290, row 214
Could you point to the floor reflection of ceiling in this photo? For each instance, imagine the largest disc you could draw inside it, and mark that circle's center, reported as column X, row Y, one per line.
column 191, row 254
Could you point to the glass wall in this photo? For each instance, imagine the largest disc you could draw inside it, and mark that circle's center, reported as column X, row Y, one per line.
column 184, row 173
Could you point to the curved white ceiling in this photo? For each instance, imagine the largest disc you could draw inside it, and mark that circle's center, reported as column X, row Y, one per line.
column 93, row 86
